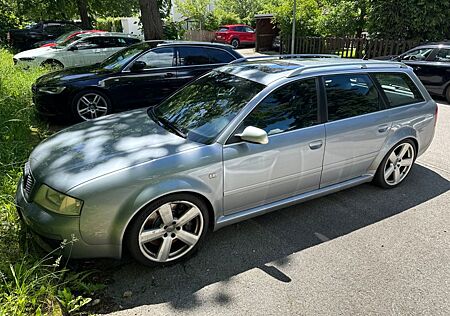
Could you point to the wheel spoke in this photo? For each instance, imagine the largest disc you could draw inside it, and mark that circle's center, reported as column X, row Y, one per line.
column 388, row 172
column 85, row 101
column 165, row 211
column 393, row 157
column 101, row 108
column 186, row 237
column 96, row 99
column 164, row 249
column 396, row 175
column 188, row 216
column 94, row 114
column 83, row 111
column 406, row 162
column 151, row 234
column 403, row 151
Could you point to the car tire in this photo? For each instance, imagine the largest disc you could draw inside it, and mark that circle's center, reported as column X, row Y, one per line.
column 90, row 104
column 396, row 165
column 168, row 230
column 235, row 43
column 447, row 94
column 52, row 65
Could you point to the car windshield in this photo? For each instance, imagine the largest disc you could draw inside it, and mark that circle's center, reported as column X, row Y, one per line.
column 64, row 37
column 201, row 110
column 68, row 41
column 121, row 58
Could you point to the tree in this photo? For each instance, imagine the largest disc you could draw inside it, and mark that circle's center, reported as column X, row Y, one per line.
column 84, row 15
column 151, row 19
column 409, row 19
column 197, row 10
column 244, row 9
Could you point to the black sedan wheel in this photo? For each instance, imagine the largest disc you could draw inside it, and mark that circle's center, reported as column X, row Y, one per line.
column 89, row 105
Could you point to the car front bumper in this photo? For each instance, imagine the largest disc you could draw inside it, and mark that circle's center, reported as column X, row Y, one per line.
column 51, row 105
column 50, row 230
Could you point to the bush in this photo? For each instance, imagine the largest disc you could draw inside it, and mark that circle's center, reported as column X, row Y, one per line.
column 31, row 283
column 109, row 24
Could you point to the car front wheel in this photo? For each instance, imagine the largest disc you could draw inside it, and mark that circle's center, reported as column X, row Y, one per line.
column 168, row 230
column 396, row 165
column 91, row 104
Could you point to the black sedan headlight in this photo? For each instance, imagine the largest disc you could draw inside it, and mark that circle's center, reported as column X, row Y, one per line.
column 51, row 90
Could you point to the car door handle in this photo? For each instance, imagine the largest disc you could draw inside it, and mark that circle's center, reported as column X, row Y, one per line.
column 169, row 75
column 383, row 128
column 316, row 144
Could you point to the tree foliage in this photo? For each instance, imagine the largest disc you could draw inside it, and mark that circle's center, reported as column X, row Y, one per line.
column 409, row 19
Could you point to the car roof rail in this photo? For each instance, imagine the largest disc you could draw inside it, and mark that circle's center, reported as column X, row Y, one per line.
column 364, row 64
column 285, row 56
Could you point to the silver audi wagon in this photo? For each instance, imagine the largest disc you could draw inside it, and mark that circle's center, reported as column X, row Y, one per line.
column 243, row 140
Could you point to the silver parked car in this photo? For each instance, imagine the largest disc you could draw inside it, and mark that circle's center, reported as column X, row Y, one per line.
column 245, row 139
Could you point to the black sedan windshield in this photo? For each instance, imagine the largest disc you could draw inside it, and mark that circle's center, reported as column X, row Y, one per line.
column 201, row 110
column 122, row 57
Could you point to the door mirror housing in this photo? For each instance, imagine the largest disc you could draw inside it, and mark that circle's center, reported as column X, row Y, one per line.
column 254, row 135
column 73, row 48
column 138, row 65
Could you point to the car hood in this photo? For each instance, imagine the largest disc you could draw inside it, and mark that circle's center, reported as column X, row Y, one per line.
column 89, row 150
column 35, row 52
column 71, row 74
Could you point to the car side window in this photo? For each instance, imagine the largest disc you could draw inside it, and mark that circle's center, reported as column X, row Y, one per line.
column 290, row 107
column 219, row 56
column 399, row 89
column 417, row 54
column 443, row 55
column 53, row 29
column 189, row 56
column 350, row 95
column 88, row 43
column 158, row 58
column 249, row 29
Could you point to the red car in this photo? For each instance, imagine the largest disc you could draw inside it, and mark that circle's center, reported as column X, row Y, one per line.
column 236, row 35
column 65, row 37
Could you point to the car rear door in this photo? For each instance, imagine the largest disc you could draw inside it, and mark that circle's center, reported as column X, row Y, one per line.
column 192, row 62
column 356, row 127
column 290, row 164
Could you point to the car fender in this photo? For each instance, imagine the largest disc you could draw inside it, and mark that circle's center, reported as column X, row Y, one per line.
column 396, row 135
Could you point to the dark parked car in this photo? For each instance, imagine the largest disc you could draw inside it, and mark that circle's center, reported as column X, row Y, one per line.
column 23, row 39
column 140, row 75
column 431, row 63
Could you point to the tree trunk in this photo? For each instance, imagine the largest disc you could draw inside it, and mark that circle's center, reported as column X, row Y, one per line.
column 151, row 19
column 84, row 15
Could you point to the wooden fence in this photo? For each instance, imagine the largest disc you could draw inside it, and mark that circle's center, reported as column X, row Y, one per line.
column 198, row 36
column 347, row 47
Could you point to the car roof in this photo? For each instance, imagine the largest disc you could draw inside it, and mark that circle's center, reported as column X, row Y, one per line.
column 269, row 70
column 230, row 25
column 192, row 43
column 433, row 45
column 83, row 35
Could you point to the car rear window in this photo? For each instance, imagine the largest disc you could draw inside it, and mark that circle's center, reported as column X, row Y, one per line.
column 399, row 89
column 222, row 29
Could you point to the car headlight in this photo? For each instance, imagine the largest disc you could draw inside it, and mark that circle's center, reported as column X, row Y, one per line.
column 57, row 202
column 52, row 90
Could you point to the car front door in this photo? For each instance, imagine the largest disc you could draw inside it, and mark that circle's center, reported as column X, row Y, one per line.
column 82, row 53
column 149, row 85
column 250, row 35
column 290, row 164
column 356, row 128
column 418, row 60
column 435, row 72
column 192, row 62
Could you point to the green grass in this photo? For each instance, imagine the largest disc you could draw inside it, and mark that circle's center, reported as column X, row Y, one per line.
column 31, row 282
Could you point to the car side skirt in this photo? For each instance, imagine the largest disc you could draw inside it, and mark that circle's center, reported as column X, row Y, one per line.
column 260, row 210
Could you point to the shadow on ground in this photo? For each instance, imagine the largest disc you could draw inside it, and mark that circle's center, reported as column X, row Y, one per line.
column 269, row 238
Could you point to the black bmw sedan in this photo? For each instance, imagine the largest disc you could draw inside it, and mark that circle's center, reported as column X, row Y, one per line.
column 138, row 76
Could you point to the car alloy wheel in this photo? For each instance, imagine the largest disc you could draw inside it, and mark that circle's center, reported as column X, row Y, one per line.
column 168, row 230
column 397, row 164
column 235, row 43
column 91, row 106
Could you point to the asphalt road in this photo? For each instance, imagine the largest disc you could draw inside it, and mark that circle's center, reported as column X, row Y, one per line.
column 363, row 251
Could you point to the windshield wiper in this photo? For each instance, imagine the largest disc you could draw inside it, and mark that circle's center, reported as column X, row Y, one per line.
column 166, row 124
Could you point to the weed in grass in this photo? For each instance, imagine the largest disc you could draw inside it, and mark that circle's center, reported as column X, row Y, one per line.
column 30, row 283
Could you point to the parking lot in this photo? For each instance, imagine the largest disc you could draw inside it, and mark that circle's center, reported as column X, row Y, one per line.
column 362, row 251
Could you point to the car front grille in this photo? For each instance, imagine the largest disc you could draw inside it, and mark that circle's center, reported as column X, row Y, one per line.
column 28, row 181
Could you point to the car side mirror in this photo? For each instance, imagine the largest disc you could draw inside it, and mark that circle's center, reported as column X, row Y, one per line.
column 73, row 48
column 254, row 135
column 138, row 65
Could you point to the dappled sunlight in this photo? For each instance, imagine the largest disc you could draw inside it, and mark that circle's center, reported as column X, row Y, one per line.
column 91, row 149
